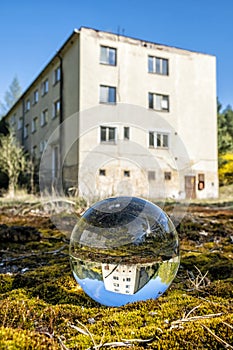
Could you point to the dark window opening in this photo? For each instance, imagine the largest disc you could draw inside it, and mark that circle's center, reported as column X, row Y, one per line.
column 126, row 173
column 167, row 175
column 151, row 175
column 102, row 172
column 201, row 182
column 126, row 133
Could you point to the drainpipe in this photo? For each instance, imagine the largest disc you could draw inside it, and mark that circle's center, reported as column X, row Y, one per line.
column 61, row 88
column 61, row 131
column 23, row 122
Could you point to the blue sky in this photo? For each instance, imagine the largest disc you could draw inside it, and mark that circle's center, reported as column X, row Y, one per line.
column 32, row 31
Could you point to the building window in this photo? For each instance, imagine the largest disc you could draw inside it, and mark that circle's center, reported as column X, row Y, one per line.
column 116, row 278
column 13, row 120
column 107, row 134
column 107, row 94
column 116, row 284
column 151, row 175
column 55, row 160
column 20, row 123
column 158, row 102
column 27, row 105
column 201, row 182
column 56, row 75
column 108, row 55
column 126, row 133
column 25, row 131
column 56, row 108
column 102, row 172
column 128, row 279
column 158, row 139
column 34, row 124
column 167, row 175
column 42, row 145
column 158, row 65
column 35, row 97
column 34, row 152
column 126, row 173
column 45, row 87
column 44, row 117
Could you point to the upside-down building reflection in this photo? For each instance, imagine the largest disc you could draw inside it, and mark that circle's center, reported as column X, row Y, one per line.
column 127, row 279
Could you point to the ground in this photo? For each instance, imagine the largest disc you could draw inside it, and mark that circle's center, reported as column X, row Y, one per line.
column 42, row 307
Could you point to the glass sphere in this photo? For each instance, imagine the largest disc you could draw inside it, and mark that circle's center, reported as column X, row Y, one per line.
column 124, row 249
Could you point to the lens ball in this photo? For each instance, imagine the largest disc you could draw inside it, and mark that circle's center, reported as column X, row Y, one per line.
column 124, row 249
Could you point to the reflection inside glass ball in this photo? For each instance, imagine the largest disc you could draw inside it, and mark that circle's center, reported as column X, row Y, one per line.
column 124, row 249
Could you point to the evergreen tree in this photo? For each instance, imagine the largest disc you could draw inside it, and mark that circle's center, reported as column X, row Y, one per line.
column 225, row 130
column 225, row 145
column 11, row 96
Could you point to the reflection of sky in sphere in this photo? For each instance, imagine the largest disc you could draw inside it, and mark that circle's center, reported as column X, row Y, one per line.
column 124, row 249
column 96, row 290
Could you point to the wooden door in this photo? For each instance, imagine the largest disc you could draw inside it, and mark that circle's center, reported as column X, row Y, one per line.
column 190, row 187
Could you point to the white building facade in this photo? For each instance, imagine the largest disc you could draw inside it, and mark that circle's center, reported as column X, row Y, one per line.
column 122, row 116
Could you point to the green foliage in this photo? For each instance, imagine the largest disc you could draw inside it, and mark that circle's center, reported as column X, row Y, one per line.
column 12, row 160
column 226, row 169
column 225, row 145
column 225, row 131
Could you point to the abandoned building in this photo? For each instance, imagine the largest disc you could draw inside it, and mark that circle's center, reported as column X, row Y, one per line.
column 114, row 115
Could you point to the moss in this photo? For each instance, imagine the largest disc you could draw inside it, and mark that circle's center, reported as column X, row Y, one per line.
column 15, row 339
column 218, row 265
column 38, row 305
column 5, row 283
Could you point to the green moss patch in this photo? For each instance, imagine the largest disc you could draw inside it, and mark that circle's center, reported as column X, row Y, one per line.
column 42, row 306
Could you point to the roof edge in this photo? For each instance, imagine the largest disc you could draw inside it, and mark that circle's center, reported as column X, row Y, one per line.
column 146, row 41
column 58, row 52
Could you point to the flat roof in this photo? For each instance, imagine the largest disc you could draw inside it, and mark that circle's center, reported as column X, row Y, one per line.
column 75, row 33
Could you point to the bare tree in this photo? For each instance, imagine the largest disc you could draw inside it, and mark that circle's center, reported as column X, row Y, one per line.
column 12, row 160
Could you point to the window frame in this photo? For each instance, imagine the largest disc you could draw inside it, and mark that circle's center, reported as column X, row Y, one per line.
column 103, row 94
column 107, row 140
column 157, row 65
column 43, row 144
column 155, row 98
column 45, row 87
column 56, row 109
column 27, row 105
column 126, row 132
column 44, row 117
column 57, row 75
column 36, row 96
column 26, row 131
column 107, row 61
column 158, row 138
column 13, row 119
column 20, row 123
column 34, row 125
